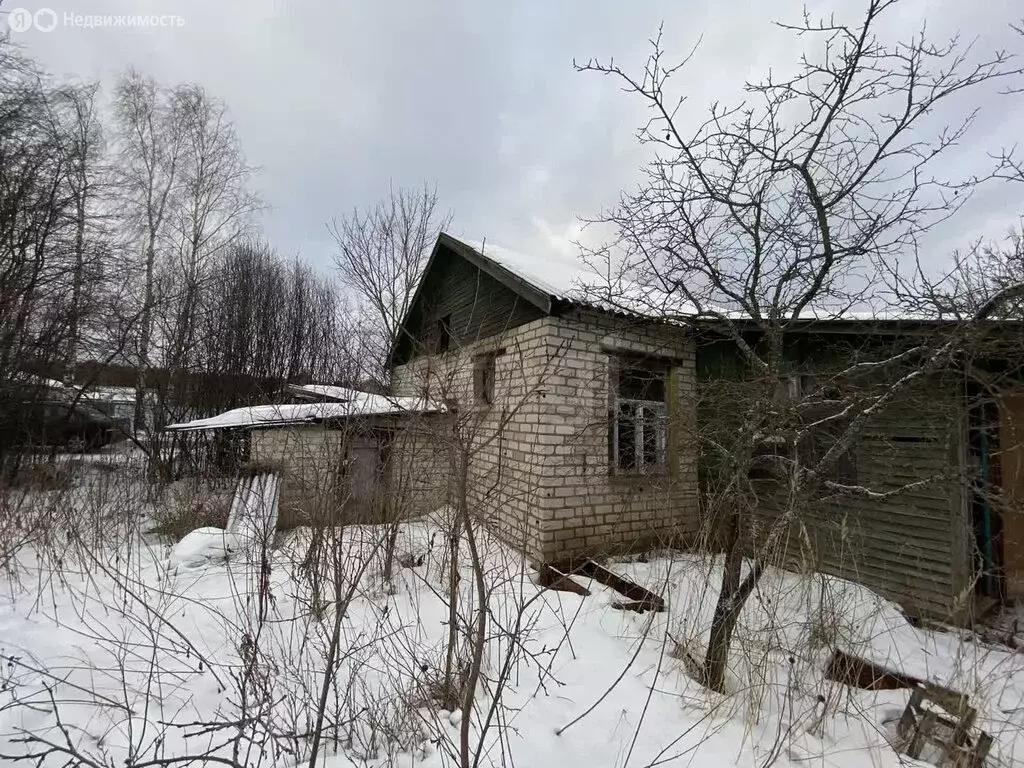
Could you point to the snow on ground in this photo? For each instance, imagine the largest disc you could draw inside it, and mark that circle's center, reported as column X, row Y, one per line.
column 206, row 546
column 124, row 654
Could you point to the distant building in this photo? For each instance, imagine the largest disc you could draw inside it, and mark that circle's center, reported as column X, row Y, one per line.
column 332, row 446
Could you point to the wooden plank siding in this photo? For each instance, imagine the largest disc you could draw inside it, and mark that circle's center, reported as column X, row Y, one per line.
column 913, row 547
column 478, row 307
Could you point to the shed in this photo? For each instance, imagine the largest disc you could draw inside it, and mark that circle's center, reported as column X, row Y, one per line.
column 332, row 447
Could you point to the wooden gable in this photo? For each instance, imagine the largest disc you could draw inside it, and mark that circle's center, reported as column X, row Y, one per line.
column 463, row 297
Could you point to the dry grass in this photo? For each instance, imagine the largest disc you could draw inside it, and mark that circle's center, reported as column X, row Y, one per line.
column 184, row 508
column 40, row 476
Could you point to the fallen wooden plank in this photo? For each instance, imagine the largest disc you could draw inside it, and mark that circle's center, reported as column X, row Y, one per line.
column 859, row 673
column 633, row 591
column 552, row 578
column 638, row 606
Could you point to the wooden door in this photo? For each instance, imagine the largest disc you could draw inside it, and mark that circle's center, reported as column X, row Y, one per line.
column 362, row 477
column 1011, row 445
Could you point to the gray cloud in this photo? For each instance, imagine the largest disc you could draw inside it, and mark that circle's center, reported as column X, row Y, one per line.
column 337, row 100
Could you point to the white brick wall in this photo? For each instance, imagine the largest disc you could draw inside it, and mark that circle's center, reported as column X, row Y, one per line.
column 540, row 452
column 308, row 456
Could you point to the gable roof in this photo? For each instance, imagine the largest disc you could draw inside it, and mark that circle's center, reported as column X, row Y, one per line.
column 551, row 282
column 532, row 289
column 559, row 277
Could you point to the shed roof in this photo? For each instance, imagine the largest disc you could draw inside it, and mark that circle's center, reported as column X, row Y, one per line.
column 290, row 414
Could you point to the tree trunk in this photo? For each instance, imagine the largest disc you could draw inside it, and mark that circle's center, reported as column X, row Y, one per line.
column 451, row 657
column 479, row 640
column 76, row 291
column 145, row 334
column 731, row 600
column 389, row 550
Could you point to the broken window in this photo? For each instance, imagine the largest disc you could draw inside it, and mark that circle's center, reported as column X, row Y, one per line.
column 484, row 367
column 442, row 334
column 637, row 423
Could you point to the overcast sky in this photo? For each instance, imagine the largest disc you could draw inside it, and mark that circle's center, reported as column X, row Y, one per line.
column 336, row 99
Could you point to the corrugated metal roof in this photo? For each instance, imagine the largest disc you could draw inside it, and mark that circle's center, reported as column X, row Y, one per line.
column 569, row 279
column 559, row 276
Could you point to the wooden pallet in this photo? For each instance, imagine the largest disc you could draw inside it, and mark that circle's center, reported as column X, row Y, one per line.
column 940, row 722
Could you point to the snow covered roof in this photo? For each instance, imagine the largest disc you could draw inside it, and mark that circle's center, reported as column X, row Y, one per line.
column 110, row 394
column 35, row 381
column 325, row 392
column 568, row 278
column 559, row 276
column 554, row 276
column 285, row 414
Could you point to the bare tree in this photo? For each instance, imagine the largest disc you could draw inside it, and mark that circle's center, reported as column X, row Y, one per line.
column 213, row 209
column 43, row 281
column 786, row 208
column 150, row 146
column 381, row 254
column 84, row 148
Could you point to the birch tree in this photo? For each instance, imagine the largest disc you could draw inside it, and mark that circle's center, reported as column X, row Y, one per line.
column 84, row 148
column 213, row 208
column 150, row 142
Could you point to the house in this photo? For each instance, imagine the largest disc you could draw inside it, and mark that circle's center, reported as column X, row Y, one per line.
column 534, row 374
column 579, row 428
column 119, row 404
column 331, row 445
column 584, row 423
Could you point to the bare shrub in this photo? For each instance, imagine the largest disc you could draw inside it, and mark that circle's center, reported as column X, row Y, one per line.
column 188, row 505
column 40, row 477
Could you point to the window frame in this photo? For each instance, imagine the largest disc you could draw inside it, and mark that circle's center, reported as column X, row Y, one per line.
column 485, row 375
column 659, row 422
column 647, row 414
